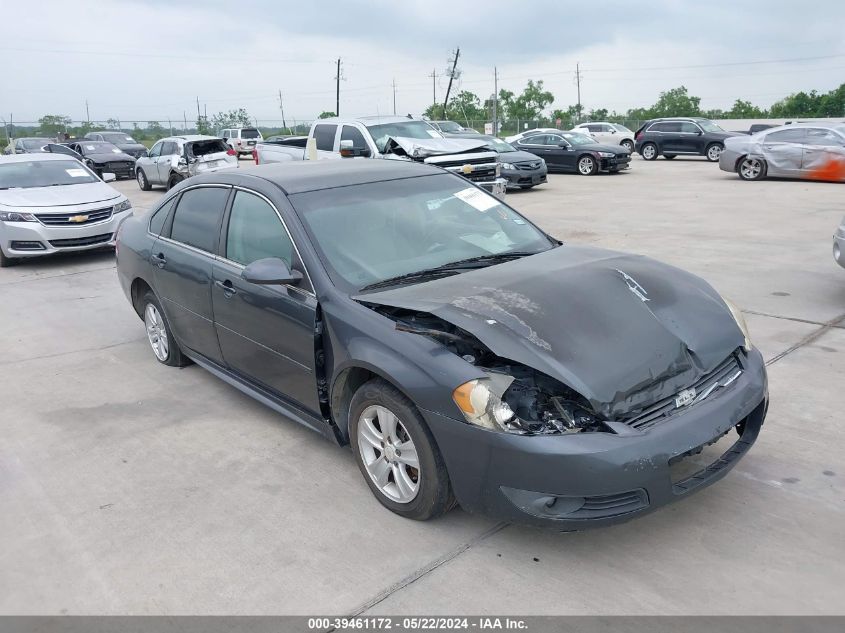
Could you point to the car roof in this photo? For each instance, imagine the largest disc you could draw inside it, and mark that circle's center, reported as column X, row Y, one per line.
column 190, row 137
column 311, row 175
column 27, row 158
column 34, row 138
column 368, row 120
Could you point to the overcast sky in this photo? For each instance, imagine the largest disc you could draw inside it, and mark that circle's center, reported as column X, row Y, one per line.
column 151, row 59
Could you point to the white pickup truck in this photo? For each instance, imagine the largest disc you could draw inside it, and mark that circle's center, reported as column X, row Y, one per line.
column 389, row 138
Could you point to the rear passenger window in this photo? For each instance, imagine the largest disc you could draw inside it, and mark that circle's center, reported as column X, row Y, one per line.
column 795, row 135
column 169, row 148
column 324, row 135
column 160, row 217
column 256, row 232
column 197, row 218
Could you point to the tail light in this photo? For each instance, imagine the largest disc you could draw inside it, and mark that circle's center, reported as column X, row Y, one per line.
column 255, row 156
column 231, row 152
column 239, row 142
column 638, row 136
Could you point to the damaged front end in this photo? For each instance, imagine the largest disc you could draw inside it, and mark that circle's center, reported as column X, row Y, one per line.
column 510, row 397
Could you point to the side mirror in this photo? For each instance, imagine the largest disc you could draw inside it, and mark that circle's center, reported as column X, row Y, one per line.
column 564, row 145
column 348, row 150
column 109, row 177
column 271, row 271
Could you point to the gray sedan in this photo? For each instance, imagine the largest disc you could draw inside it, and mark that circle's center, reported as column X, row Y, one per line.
column 839, row 244
column 521, row 169
column 814, row 151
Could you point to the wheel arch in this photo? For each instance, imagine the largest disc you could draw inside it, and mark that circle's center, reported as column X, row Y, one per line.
column 137, row 290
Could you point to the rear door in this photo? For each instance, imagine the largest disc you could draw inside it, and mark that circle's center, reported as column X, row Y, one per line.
column 266, row 333
column 669, row 136
column 822, row 151
column 182, row 259
column 324, row 135
column 169, row 149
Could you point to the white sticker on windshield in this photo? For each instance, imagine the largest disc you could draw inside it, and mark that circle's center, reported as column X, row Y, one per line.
column 433, row 134
column 116, row 151
column 90, row 147
column 76, row 173
column 477, row 199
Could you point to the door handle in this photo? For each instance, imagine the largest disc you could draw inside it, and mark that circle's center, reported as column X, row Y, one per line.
column 160, row 260
column 227, row 287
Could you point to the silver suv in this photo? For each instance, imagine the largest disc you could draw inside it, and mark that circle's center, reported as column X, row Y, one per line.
column 175, row 158
column 241, row 139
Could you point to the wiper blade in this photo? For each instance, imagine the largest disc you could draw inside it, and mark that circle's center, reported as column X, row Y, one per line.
column 449, row 269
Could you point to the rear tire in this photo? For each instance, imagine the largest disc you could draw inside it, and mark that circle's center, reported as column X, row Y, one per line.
column 160, row 337
column 713, row 152
column 174, row 180
column 649, row 151
column 420, row 493
column 669, row 156
column 750, row 168
column 141, row 177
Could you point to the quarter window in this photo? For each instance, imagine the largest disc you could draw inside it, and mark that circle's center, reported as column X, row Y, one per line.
column 197, row 218
column 324, row 135
column 256, row 232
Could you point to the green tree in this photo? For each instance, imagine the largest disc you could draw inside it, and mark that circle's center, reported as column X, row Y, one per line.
column 326, row 114
column 232, row 118
column 155, row 130
column 52, row 124
column 745, row 110
column 434, row 112
column 528, row 105
column 203, row 126
column 677, row 102
column 112, row 124
column 466, row 106
column 599, row 114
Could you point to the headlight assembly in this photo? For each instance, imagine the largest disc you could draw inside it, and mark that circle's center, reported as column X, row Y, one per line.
column 607, row 154
column 120, row 207
column 483, row 404
column 15, row 216
column 740, row 321
column 507, row 166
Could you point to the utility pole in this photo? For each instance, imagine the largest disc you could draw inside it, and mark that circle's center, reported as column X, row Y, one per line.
column 185, row 121
column 394, row 96
column 578, row 83
column 282, row 108
column 496, row 101
column 433, row 76
column 337, row 90
column 87, row 113
column 170, row 123
column 451, row 78
column 198, row 108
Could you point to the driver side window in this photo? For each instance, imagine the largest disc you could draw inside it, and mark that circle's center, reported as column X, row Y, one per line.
column 256, row 232
column 155, row 150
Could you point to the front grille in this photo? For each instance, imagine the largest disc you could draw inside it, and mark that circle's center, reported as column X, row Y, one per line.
column 603, row 506
column 82, row 241
column 534, row 164
column 720, row 378
column 118, row 166
column 64, row 219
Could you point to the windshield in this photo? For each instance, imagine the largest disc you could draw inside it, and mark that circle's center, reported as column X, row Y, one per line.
column 574, row 138
column 249, row 133
column 498, row 145
column 369, row 233
column 623, row 129
column 35, row 143
column 98, row 147
column 119, row 138
column 44, row 173
column 709, row 126
column 449, row 126
column 407, row 129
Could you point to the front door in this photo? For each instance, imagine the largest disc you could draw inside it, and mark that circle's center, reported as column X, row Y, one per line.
column 266, row 333
column 182, row 259
column 690, row 139
column 783, row 151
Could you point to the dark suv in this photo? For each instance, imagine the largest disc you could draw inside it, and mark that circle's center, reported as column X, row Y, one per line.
column 690, row 136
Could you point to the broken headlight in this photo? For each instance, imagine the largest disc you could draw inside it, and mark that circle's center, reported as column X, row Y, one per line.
column 736, row 313
column 483, row 403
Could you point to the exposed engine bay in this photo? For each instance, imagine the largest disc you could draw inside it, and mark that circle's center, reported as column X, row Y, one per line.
column 517, row 398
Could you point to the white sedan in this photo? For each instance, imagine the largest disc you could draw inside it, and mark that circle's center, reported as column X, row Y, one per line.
column 608, row 133
column 51, row 203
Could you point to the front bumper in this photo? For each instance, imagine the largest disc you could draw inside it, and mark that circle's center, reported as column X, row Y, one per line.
column 518, row 178
column 33, row 239
column 497, row 187
column 839, row 246
column 614, row 164
column 573, row 482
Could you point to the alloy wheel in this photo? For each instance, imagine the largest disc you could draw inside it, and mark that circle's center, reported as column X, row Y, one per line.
column 586, row 165
column 751, row 168
column 156, row 332
column 649, row 152
column 714, row 152
column 389, row 454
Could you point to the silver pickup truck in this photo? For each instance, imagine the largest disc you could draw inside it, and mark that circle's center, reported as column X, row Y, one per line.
column 393, row 138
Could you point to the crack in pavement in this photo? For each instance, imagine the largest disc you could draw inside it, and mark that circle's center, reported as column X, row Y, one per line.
column 834, row 323
column 426, row 569
column 4, row 363
column 38, row 278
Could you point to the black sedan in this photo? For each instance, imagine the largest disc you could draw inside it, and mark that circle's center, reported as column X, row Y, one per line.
column 463, row 353
column 521, row 169
column 105, row 158
column 575, row 152
column 121, row 140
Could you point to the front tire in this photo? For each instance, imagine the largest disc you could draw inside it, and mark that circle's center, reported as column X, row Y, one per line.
column 649, row 151
column 750, row 168
column 397, row 454
column 628, row 145
column 587, row 166
column 5, row 262
column 159, row 335
column 713, row 152
column 143, row 183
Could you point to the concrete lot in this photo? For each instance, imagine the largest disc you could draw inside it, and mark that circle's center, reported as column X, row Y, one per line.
column 129, row 487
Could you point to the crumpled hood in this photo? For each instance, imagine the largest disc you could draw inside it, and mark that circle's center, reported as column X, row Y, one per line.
column 423, row 148
column 577, row 314
column 70, row 195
